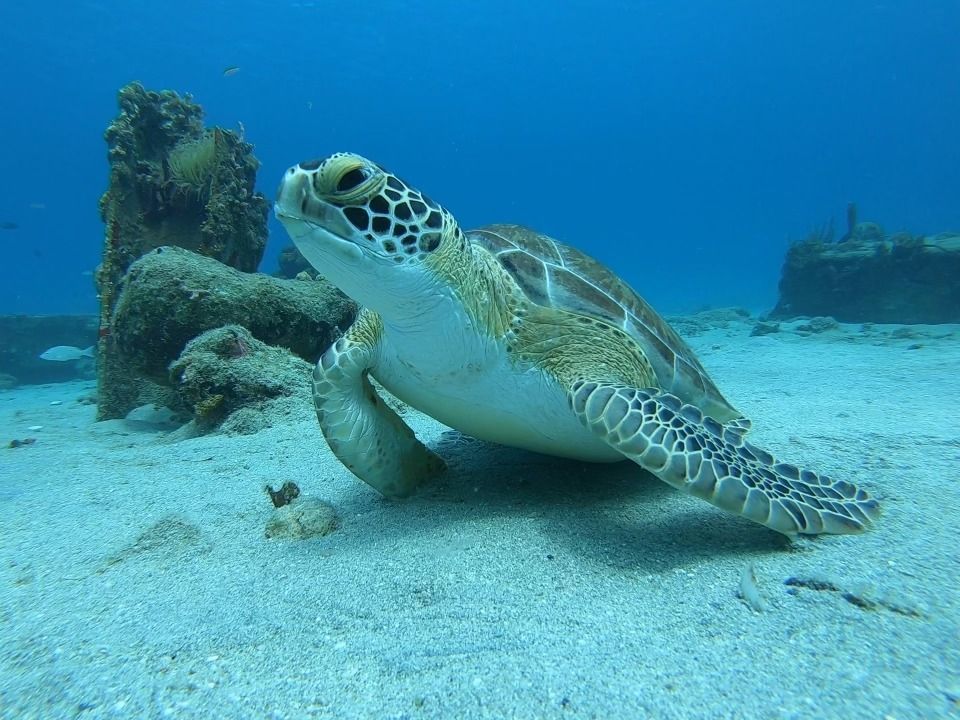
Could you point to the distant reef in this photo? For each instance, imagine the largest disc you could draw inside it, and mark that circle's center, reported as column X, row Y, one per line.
column 869, row 276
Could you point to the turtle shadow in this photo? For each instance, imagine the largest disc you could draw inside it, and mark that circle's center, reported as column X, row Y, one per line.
column 615, row 515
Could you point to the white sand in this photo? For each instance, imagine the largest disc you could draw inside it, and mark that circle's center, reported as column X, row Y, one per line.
column 515, row 586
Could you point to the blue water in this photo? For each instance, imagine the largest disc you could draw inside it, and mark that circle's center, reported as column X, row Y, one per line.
column 684, row 143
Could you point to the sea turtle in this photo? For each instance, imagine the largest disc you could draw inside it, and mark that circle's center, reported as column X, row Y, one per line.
column 510, row 336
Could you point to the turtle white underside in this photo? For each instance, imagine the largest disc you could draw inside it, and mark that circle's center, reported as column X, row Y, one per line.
column 468, row 382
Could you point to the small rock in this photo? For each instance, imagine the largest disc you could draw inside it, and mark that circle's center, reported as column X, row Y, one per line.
column 764, row 328
column 819, row 324
column 302, row 519
column 904, row 333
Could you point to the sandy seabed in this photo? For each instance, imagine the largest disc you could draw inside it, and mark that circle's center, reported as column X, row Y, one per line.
column 136, row 580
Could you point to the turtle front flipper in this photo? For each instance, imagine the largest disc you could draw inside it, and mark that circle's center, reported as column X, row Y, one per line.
column 361, row 429
column 693, row 452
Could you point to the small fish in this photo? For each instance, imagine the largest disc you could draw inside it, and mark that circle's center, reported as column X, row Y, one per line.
column 65, row 353
column 152, row 417
column 232, row 70
column 38, row 206
column 8, row 225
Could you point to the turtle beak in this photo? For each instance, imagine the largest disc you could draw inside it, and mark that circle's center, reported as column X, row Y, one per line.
column 297, row 204
column 292, row 195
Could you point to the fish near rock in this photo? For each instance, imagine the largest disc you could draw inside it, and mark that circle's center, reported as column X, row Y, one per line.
column 66, row 353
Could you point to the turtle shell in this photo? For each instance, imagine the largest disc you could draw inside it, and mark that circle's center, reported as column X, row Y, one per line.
column 557, row 276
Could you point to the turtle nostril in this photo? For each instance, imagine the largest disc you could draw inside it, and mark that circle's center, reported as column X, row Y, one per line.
column 293, row 191
column 310, row 164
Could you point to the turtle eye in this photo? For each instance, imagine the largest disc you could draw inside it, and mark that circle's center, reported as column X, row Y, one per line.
column 351, row 179
column 346, row 179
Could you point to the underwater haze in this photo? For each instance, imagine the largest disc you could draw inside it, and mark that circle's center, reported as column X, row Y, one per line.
column 683, row 143
column 191, row 528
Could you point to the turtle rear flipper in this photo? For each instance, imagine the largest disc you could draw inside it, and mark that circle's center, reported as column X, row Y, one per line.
column 693, row 452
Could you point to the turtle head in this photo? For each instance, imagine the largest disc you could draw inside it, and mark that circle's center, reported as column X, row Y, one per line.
column 365, row 230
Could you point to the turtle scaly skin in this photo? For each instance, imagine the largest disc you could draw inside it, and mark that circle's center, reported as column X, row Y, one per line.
column 512, row 337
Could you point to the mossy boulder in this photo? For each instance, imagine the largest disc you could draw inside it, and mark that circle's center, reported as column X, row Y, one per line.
column 172, row 295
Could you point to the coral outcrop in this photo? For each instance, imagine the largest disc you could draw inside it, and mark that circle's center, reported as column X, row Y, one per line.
column 292, row 262
column 172, row 182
